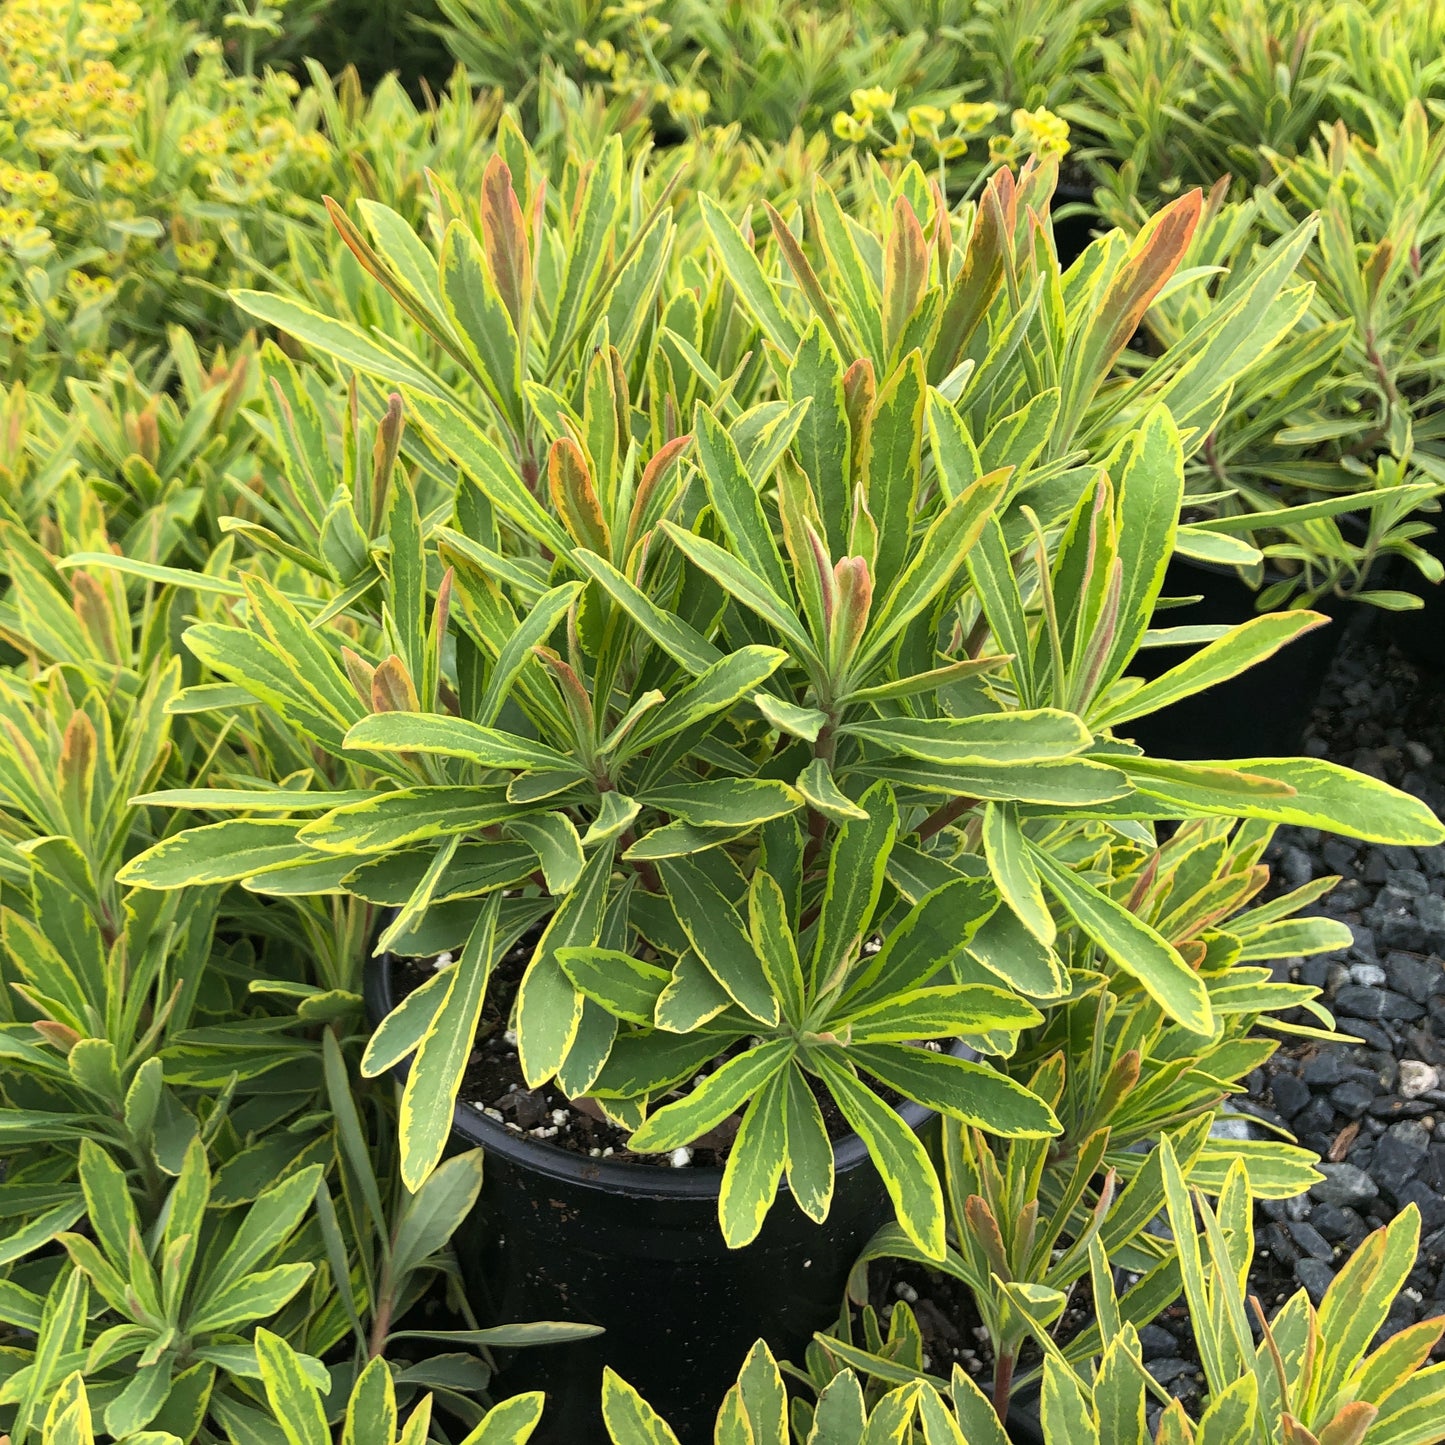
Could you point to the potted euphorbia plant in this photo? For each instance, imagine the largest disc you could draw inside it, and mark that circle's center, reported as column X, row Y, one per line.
column 718, row 775
column 1318, row 484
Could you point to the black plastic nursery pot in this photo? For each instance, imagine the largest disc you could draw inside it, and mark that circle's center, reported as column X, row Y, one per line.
column 1420, row 635
column 1264, row 711
column 636, row 1248
column 1073, row 230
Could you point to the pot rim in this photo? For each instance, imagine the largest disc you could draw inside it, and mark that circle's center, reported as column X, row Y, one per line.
column 610, row 1176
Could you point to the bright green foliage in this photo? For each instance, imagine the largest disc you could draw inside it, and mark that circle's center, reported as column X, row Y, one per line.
column 371, row 1416
column 830, row 642
column 1026, row 1217
column 1311, row 1372
column 882, row 75
column 756, row 1412
column 1324, row 458
column 129, row 177
column 1187, row 93
column 827, row 1012
column 731, row 558
column 1327, row 455
column 1305, row 1375
column 173, row 1037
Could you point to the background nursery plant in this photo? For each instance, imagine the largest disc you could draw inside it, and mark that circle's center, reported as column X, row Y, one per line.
column 722, row 716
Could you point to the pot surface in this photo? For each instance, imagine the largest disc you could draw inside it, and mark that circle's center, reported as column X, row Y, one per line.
column 1420, row 635
column 1262, row 712
column 636, row 1248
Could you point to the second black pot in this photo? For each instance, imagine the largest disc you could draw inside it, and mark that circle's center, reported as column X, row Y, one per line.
column 637, row 1249
column 1420, row 635
column 1074, row 229
column 1262, row 712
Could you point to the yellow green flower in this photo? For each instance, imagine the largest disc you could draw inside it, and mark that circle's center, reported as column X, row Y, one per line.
column 973, row 116
column 925, row 119
column 601, row 56
column 871, row 99
column 687, row 102
column 902, row 146
column 1045, row 133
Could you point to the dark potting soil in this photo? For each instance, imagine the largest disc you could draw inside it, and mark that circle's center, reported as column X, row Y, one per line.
column 948, row 1320
column 493, row 1082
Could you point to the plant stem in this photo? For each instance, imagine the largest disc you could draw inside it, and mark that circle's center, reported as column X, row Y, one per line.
column 1003, row 1378
column 646, row 869
column 381, row 1322
column 939, row 819
column 825, row 746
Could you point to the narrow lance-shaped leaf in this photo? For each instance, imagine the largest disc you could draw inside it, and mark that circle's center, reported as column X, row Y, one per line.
column 736, row 501
column 823, row 444
column 901, row 1159
column 1153, row 257
column 480, row 319
column 892, row 446
column 1013, row 871
column 428, row 1100
column 718, row 936
column 575, row 497
column 744, row 272
column 855, row 880
column 346, row 343
column 1240, row 648
column 754, row 1165
column 549, row 1009
column 1132, row 945
column 715, row 1097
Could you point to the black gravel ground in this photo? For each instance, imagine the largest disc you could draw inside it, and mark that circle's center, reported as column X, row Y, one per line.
column 1374, row 1110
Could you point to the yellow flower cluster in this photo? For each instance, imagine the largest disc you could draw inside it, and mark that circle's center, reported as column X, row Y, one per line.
column 1042, row 132
column 104, row 173
column 944, row 134
column 631, row 74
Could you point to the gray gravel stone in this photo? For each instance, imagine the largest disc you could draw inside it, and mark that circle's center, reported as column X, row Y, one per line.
column 1430, row 910
column 1290, row 1094
column 1401, row 929
column 1409, row 882
column 1156, row 1342
column 1169, row 1369
column 1315, row 1275
column 1333, row 1222
column 1419, row 979
column 1311, row 1241
column 1317, row 1117
column 1400, row 1156
column 1428, row 1201
column 1326, row 1069
column 1352, row 1098
column 1375, row 1003
column 1344, row 1184
column 1296, row 866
